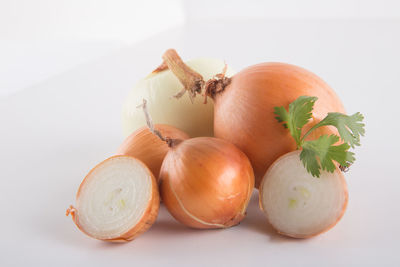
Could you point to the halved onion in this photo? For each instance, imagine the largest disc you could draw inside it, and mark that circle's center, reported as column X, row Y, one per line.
column 298, row 204
column 117, row 200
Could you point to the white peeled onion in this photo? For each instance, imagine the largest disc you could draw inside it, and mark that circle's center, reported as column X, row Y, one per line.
column 196, row 119
column 117, row 200
column 296, row 203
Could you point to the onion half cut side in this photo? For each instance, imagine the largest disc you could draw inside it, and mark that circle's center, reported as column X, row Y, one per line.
column 117, row 200
column 296, row 203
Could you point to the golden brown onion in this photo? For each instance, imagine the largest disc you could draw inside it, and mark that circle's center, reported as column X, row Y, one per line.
column 244, row 110
column 206, row 182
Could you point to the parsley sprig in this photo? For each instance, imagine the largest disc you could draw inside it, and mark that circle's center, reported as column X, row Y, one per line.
column 320, row 154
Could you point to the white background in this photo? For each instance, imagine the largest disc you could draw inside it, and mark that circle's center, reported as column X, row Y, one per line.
column 66, row 67
column 42, row 38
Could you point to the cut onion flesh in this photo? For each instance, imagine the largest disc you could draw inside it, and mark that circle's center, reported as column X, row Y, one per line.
column 298, row 204
column 117, row 200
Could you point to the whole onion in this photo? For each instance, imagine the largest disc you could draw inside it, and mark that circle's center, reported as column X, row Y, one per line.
column 206, row 182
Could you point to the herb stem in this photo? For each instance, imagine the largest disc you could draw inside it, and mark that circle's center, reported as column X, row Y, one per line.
column 308, row 132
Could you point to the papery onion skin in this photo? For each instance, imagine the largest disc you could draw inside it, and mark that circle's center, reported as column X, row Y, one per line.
column 147, row 220
column 244, row 110
column 206, row 183
column 340, row 176
column 196, row 119
column 144, row 145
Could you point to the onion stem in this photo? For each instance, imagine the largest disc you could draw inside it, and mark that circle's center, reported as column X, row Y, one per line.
column 170, row 142
column 192, row 81
column 308, row 132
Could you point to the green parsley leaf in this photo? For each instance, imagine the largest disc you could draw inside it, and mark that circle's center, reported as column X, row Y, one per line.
column 320, row 154
column 298, row 116
column 350, row 127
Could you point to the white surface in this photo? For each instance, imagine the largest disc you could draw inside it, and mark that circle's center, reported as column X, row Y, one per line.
column 25, row 63
column 54, row 133
column 88, row 20
column 292, row 9
column 42, row 38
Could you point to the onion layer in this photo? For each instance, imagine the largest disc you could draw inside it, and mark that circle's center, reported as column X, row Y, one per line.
column 147, row 147
column 117, row 200
column 206, row 183
column 298, row 204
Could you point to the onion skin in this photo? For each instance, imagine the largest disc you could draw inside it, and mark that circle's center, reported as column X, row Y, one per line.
column 147, row 220
column 206, row 183
column 244, row 110
column 344, row 207
column 145, row 146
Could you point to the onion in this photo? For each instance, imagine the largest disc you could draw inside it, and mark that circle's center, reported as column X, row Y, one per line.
column 117, row 200
column 158, row 88
column 244, row 111
column 244, row 107
column 145, row 146
column 298, row 204
column 206, row 182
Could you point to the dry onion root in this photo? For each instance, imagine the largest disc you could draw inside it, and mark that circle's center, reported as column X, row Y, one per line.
column 244, row 106
column 147, row 147
column 296, row 203
column 117, row 201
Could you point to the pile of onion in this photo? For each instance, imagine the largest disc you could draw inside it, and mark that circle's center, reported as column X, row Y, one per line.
column 244, row 106
column 206, row 182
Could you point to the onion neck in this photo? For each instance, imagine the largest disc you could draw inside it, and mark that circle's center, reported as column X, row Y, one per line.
column 192, row 81
column 170, row 142
column 216, row 86
column 160, row 68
